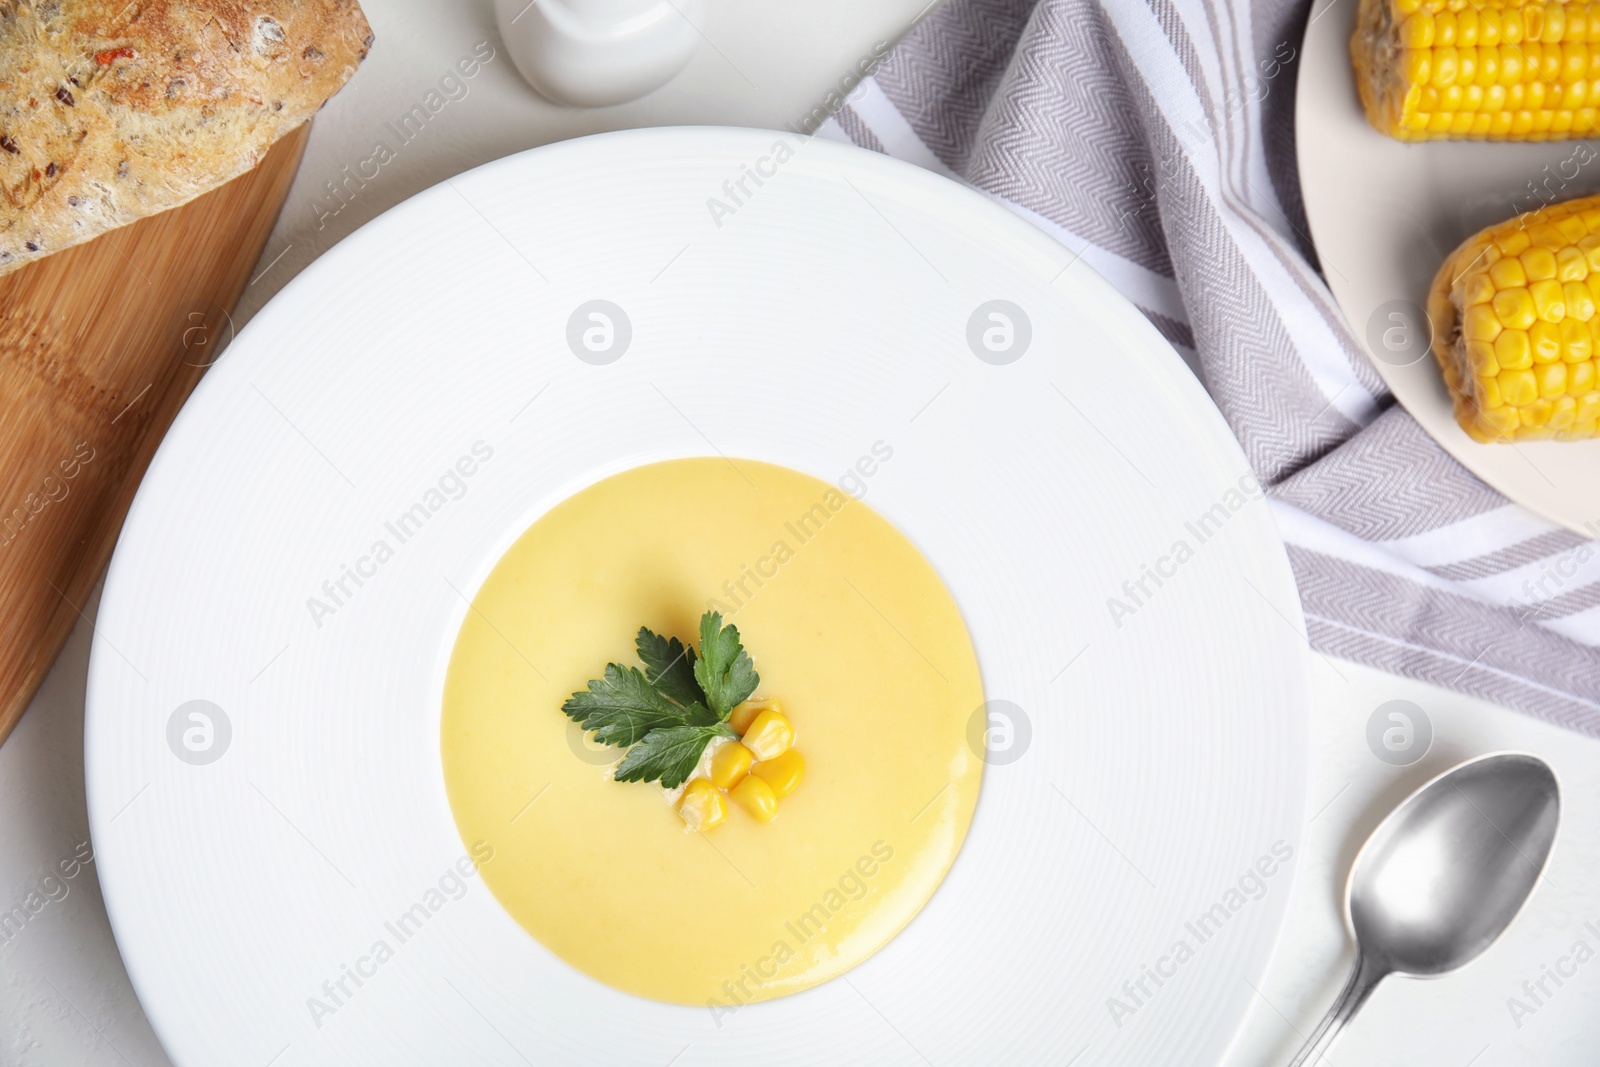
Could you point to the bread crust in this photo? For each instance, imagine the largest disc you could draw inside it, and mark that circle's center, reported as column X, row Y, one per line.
column 111, row 110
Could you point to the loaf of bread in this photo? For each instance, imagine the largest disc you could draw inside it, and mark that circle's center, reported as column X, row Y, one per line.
column 111, row 110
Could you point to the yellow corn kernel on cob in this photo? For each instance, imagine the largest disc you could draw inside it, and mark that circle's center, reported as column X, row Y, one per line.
column 1505, row 70
column 1515, row 329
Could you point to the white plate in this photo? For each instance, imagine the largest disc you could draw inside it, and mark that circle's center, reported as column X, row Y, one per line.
column 1384, row 214
column 830, row 309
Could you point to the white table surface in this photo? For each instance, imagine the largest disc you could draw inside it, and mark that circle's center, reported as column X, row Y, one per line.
column 64, row 995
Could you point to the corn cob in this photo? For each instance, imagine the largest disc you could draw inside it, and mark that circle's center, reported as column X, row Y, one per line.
column 1505, row 70
column 1515, row 328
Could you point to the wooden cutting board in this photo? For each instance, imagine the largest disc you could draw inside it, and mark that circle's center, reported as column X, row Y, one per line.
column 99, row 346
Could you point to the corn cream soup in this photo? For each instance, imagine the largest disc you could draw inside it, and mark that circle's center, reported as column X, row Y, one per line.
column 848, row 625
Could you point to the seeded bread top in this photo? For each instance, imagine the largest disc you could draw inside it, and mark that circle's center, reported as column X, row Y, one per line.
column 111, row 110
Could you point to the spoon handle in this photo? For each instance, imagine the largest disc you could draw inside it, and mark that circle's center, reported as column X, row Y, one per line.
column 1364, row 978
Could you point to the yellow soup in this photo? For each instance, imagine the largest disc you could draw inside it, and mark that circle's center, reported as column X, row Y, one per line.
column 850, row 629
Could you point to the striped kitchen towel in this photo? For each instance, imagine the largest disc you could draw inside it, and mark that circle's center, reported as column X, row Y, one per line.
column 1155, row 137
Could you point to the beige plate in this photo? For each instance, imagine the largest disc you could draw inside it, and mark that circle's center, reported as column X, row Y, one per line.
column 1385, row 214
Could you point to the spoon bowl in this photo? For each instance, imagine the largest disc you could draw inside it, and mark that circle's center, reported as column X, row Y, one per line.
column 1444, row 875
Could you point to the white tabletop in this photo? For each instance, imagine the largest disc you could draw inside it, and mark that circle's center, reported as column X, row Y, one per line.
column 64, row 996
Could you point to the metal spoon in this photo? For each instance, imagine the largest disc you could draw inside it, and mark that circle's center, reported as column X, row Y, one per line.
column 1443, row 875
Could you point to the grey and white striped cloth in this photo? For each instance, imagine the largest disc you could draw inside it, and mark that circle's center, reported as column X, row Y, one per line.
column 1156, row 138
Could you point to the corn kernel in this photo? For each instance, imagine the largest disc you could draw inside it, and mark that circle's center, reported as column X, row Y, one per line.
column 769, row 735
column 1418, row 66
column 1417, row 31
column 1518, row 387
column 1503, row 421
column 730, row 763
column 1574, row 63
column 1488, row 393
column 1580, row 378
column 1588, row 407
column 1532, row 22
column 1545, row 235
column 1580, row 305
column 1482, row 358
column 1479, row 323
column 1539, row 261
column 1508, row 273
column 1510, row 27
column 1577, row 29
column 1515, row 308
column 1486, row 75
column 1552, row 379
column 1512, row 351
column 1444, row 29
column 746, row 713
column 1513, row 244
column 1537, row 414
column 1478, row 288
column 1555, row 24
column 783, row 772
column 1489, row 22
column 1572, row 230
column 1544, row 341
column 755, row 796
column 702, row 805
column 1549, row 302
column 1575, row 343
column 1571, row 266
column 1446, row 65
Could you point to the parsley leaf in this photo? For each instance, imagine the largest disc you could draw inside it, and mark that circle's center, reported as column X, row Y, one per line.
column 669, row 666
column 724, row 669
column 669, row 753
column 623, row 707
column 666, row 714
